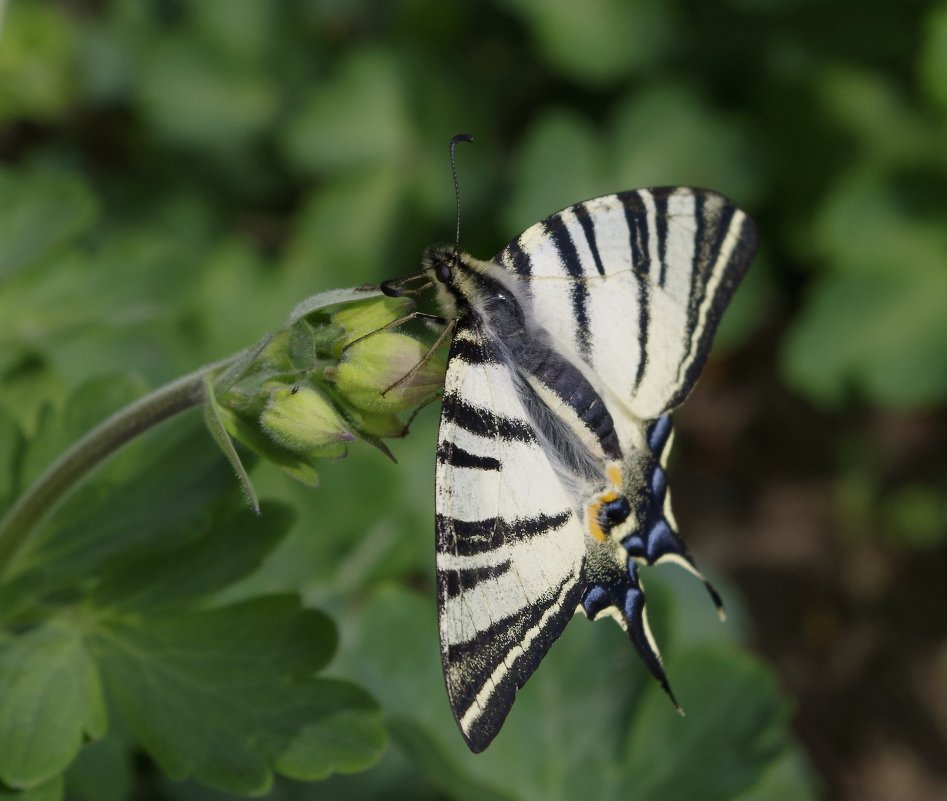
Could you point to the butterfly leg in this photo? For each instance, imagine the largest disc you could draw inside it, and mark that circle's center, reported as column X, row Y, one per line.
column 449, row 326
column 407, row 318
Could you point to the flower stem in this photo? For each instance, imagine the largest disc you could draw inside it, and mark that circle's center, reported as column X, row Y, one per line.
column 84, row 455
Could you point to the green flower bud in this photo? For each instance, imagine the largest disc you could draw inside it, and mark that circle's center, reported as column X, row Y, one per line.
column 360, row 319
column 303, row 421
column 275, row 356
column 371, row 375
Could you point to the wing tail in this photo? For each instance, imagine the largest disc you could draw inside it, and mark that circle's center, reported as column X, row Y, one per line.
column 625, row 601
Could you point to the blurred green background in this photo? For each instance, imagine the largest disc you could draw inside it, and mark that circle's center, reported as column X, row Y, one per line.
column 175, row 176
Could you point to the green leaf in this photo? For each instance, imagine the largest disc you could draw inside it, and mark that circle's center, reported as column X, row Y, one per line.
column 328, row 131
column 933, row 57
column 85, row 313
column 51, row 790
column 541, row 186
column 787, row 779
column 343, row 227
column 191, row 98
column 869, row 225
column 39, row 213
column 668, row 135
column 36, row 78
column 12, row 444
column 243, row 29
column 218, row 431
column 174, row 469
column 879, row 322
column 883, row 122
column 431, row 758
column 233, row 547
column 227, row 696
column 50, row 698
column 87, row 406
column 734, row 729
column 597, row 41
column 103, row 771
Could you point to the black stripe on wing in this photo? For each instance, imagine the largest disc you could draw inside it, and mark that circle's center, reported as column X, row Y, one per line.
column 638, row 234
column 472, row 537
column 483, row 422
column 661, row 229
column 561, row 239
column 473, row 350
column 458, row 580
column 588, row 228
column 516, row 259
column 455, row 456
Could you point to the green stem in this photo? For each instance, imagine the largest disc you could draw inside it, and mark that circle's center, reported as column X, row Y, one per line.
column 88, row 452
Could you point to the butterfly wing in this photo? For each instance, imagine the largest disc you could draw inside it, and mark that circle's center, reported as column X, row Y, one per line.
column 632, row 286
column 510, row 548
column 649, row 273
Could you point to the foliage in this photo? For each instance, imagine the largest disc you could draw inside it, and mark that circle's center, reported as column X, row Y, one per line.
column 175, row 175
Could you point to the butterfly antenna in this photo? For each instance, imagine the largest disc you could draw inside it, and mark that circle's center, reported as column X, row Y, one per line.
column 453, row 169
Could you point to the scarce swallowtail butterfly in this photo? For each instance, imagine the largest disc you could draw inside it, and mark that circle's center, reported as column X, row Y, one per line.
column 570, row 349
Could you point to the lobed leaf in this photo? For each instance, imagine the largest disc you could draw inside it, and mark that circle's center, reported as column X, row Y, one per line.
column 735, row 728
column 227, row 695
column 50, row 699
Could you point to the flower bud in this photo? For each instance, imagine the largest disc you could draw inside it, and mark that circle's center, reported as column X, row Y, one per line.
column 375, row 374
column 301, row 420
column 360, row 319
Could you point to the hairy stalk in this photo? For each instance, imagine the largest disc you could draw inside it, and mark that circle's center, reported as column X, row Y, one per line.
column 87, row 453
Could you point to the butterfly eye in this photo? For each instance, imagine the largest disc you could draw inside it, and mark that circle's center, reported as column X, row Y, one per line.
column 443, row 272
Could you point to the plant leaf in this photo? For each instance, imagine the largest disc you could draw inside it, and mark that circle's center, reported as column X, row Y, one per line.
column 50, row 698
column 233, row 547
column 103, row 771
column 217, row 430
column 227, row 696
column 12, row 445
column 51, row 790
column 734, row 729
column 171, row 469
column 39, row 214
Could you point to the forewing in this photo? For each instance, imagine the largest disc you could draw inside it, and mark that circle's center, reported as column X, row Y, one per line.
column 634, row 284
column 510, row 548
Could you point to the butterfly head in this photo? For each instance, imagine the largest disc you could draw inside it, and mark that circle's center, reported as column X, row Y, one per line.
column 443, row 266
column 441, row 262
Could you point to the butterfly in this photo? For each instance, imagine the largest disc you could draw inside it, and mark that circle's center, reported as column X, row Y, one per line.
column 570, row 349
